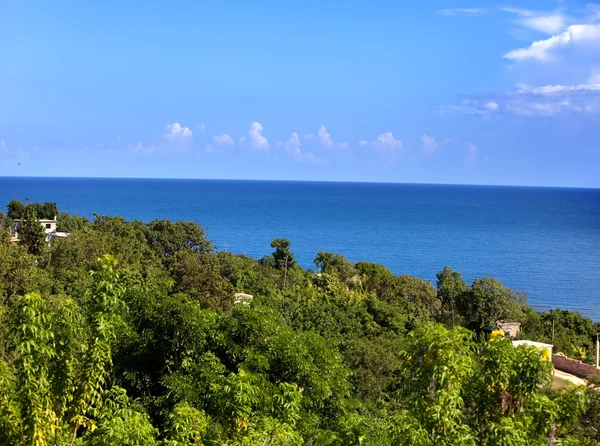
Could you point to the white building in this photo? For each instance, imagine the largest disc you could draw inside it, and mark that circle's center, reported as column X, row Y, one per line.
column 539, row 345
column 49, row 226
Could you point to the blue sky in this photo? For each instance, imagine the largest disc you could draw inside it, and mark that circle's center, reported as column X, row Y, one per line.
column 450, row 92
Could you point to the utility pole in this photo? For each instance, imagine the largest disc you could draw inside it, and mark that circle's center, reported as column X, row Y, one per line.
column 285, row 272
column 552, row 331
column 598, row 350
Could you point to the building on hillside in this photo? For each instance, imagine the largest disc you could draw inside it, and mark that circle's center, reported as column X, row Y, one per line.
column 539, row 345
column 49, row 226
column 511, row 329
column 242, row 298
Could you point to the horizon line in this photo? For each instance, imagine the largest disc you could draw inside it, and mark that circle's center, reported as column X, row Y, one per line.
column 297, row 181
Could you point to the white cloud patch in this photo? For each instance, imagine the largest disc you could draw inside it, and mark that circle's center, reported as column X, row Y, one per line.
column 202, row 128
column 467, row 106
column 223, row 140
column 293, row 148
column 385, row 141
column 323, row 137
column 545, row 101
column 256, row 138
column 491, row 106
column 473, row 12
column 142, row 149
column 544, row 22
column 548, row 90
column 177, row 133
column 430, row 145
column 545, row 50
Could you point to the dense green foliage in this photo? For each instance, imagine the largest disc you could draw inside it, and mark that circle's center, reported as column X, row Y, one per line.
column 126, row 333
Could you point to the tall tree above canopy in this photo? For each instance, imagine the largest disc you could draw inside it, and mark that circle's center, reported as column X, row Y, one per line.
column 450, row 286
column 283, row 256
column 31, row 233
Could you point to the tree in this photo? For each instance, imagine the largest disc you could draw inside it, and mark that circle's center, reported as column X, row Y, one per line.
column 167, row 238
column 284, row 259
column 31, row 232
column 450, row 286
column 15, row 209
column 331, row 263
column 200, row 278
column 487, row 302
column 453, row 393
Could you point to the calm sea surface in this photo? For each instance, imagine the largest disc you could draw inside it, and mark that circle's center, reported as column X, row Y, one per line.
column 542, row 241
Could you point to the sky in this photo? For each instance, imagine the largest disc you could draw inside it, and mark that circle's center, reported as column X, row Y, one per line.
column 440, row 92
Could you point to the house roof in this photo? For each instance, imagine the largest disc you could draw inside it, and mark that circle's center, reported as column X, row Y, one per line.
column 533, row 343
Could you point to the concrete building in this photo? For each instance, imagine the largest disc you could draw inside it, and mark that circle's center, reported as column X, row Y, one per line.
column 511, row 329
column 49, row 226
column 539, row 345
column 242, row 298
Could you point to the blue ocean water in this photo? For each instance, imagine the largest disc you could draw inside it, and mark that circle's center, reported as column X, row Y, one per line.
column 543, row 241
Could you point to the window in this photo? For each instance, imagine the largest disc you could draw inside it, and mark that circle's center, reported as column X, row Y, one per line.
column 48, row 225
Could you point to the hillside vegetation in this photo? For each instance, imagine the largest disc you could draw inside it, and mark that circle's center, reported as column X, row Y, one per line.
column 126, row 333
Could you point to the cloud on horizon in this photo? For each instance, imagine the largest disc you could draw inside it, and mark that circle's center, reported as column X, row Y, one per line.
column 429, row 143
column 293, row 148
column 256, row 138
column 323, row 137
column 176, row 133
column 385, row 141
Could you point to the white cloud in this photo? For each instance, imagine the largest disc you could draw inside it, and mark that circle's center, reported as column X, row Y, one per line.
column 430, row 145
column 324, row 138
column 140, row 148
column 463, row 11
column 543, row 50
column 202, row 127
column 467, row 106
column 545, row 100
column 178, row 134
column 546, row 90
column 292, row 146
column 385, row 141
column 544, row 22
column 223, row 140
column 491, row 106
column 257, row 140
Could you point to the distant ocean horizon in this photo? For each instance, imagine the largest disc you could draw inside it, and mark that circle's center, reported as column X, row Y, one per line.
column 544, row 241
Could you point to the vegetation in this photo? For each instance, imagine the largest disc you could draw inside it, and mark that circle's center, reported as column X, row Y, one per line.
column 126, row 333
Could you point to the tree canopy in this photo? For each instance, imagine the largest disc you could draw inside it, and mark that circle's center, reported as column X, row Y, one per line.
column 127, row 332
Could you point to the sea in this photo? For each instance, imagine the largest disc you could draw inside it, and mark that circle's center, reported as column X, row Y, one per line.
column 541, row 241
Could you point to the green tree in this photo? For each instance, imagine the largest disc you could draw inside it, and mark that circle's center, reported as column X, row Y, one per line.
column 486, row 302
column 16, row 209
column 31, row 232
column 331, row 263
column 283, row 257
column 450, row 287
column 200, row 278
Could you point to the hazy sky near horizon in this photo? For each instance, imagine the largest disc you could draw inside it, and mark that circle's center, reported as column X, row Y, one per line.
column 446, row 92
